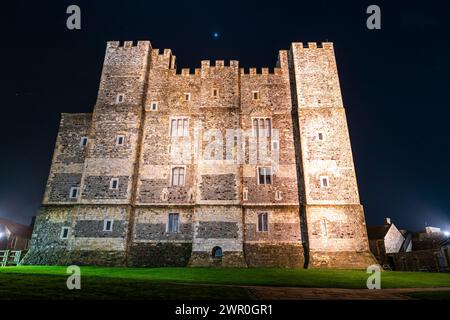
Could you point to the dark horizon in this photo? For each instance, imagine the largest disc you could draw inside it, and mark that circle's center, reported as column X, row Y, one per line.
column 394, row 83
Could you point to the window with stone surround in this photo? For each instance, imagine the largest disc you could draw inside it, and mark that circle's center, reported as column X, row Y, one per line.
column 278, row 195
column 215, row 93
column 275, row 145
column 324, row 182
column 114, row 184
column 120, row 140
column 178, row 176
column 108, row 224
column 64, row 233
column 187, row 96
column 74, row 192
column 83, row 142
column 264, row 175
column 255, row 95
column 120, row 98
column 179, row 127
column 245, row 194
column 154, row 106
column 262, row 127
column 263, row 225
column 173, row 223
column 164, row 195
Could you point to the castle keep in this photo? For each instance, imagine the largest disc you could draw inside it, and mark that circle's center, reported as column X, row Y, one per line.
column 217, row 166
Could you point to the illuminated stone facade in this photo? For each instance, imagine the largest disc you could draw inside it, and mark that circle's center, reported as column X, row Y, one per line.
column 141, row 203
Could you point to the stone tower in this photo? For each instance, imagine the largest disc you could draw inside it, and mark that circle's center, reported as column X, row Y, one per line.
column 336, row 229
column 217, row 167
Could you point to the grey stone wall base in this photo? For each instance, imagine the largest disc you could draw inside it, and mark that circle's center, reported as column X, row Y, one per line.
column 64, row 257
column 160, row 254
column 95, row 257
column 229, row 259
column 274, row 255
column 43, row 257
column 341, row 260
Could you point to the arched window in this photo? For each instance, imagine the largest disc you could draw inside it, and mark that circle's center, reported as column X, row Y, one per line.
column 217, row 252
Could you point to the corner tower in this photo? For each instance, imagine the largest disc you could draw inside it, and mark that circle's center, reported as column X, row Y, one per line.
column 330, row 206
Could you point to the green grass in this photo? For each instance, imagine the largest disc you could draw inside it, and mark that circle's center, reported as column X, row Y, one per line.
column 51, row 287
column 193, row 283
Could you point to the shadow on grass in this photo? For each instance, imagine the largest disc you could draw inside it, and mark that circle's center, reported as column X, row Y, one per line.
column 430, row 295
column 53, row 287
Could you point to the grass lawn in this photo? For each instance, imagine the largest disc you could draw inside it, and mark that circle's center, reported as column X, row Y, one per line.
column 189, row 283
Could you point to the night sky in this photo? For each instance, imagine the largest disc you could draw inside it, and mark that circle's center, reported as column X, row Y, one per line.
column 395, row 84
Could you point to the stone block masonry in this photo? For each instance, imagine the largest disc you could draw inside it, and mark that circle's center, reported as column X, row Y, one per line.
column 170, row 168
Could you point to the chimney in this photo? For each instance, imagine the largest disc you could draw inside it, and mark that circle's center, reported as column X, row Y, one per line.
column 387, row 221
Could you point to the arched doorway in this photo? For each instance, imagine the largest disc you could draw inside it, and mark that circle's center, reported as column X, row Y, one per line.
column 217, row 253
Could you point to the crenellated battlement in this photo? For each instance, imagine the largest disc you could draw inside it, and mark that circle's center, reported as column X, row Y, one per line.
column 128, row 44
column 313, row 45
column 164, row 59
column 264, row 71
column 205, row 64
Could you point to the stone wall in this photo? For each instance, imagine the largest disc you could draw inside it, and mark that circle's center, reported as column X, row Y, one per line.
column 86, row 243
column 98, row 187
column 60, row 186
column 68, row 158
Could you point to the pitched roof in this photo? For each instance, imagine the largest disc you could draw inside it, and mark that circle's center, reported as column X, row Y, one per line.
column 17, row 229
column 377, row 232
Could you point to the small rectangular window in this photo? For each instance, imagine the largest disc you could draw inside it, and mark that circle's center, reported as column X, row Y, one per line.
column 255, row 95
column 320, row 135
column 120, row 140
column 74, row 192
column 245, row 194
column 324, row 182
column 83, row 142
column 64, row 233
column 120, row 98
column 114, row 184
column 275, row 145
column 173, row 223
column 263, row 222
column 154, row 106
column 215, row 93
column 108, row 224
column 265, row 175
column 187, row 96
column 278, row 195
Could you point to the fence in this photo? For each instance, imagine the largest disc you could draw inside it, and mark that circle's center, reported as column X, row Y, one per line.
column 10, row 257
